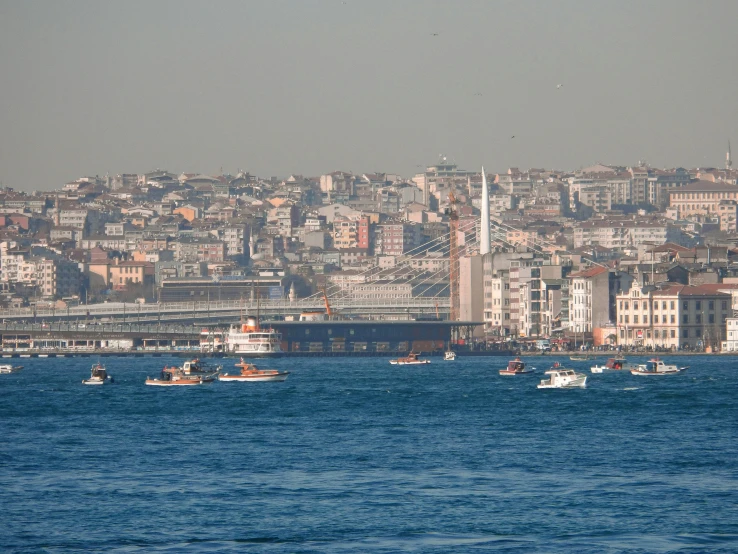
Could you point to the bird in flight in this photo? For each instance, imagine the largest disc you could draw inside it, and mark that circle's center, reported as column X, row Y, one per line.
column 512, row 137
column 477, row 94
column 559, row 86
column 435, row 34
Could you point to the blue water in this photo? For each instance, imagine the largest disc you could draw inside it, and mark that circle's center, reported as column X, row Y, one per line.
column 355, row 455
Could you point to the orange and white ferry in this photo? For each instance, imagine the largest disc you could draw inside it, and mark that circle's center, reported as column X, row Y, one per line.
column 250, row 340
column 249, row 372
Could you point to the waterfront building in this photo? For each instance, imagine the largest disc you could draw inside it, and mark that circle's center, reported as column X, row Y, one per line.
column 676, row 316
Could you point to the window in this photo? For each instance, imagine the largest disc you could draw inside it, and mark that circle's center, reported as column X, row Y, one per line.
column 622, row 333
column 673, row 319
column 698, row 305
column 711, row 318
column 621, row 304
column 621, row 318
column 626, row 306
column 685, row 319
column 711, row 305
column 725, row 305
column 672, row 305
column 635, row 318
column 685, row 333
column 627, row 318
column 685, row 305
column 698, row 333
column 635, row 306
column 699, row 319
column 663, row 305
column 673, row 333
column 663, row 319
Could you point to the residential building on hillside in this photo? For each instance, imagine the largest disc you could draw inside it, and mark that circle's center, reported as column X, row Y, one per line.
column 701, row 198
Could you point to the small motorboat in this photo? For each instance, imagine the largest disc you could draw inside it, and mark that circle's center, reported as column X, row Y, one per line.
column 98, row 376
column 7, row 368
column 249, row 372
column 410, row 359
column 656, row 366
column 580, row 357
column 449, row 356
column 613, row 364
column 562, row 378
column 516, row 367
column 175, row 377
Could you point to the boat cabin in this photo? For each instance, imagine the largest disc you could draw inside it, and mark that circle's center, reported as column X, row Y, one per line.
column 516, row 365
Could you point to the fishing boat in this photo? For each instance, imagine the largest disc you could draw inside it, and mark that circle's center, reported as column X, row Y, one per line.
column 655, row 366
column 98, row 375
column 562, row 378
column 7, row 368
column 613, row 364
column 449, row 356
column 175, row 377
column 580, row 357
column 410, row 359
column 249, row 372
column 197, row 367
column 516, row 367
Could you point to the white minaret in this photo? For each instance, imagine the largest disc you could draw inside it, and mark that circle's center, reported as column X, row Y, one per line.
column 484, row 242
column 728, row 161
column 293, row 292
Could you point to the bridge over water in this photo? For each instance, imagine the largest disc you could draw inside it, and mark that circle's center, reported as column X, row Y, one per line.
column 226, row 311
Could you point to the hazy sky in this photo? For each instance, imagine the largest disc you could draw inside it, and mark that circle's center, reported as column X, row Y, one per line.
column 310, row 86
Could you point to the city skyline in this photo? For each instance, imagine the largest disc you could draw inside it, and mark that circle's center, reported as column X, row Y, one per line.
column 284, row 87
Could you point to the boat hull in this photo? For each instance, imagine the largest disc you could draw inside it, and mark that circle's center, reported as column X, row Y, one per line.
column 668, row 372
column 279, row 377
column 420, row 362
column 505, row 372
column 578, row 384
column 92, row 382
column 180, row 383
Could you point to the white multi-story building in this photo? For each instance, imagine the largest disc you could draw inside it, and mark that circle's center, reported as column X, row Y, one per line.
column 731, row 333
column 677, row 316
column 623, row 233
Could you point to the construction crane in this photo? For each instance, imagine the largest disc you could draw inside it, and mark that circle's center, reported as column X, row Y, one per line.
column 453, row 254
column 328, row 311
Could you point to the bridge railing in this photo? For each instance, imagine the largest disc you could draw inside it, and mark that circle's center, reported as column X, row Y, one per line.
column 250, row 307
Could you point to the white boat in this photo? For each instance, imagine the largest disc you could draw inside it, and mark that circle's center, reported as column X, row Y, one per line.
column 98, row 376
column 410, row 359
column 613, row 364
column 516, row 367
column 449, row 356
column 580, row 357
column 7, row 368
column 249, row 372
column 250, row 340
column 562, row 378
column 656, row 366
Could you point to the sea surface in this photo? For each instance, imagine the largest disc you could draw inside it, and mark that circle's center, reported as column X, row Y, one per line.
column 356, row 455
